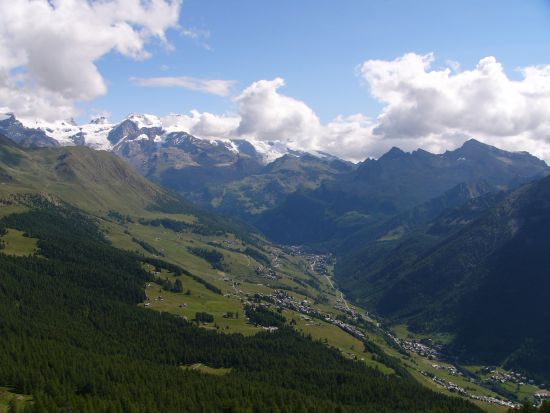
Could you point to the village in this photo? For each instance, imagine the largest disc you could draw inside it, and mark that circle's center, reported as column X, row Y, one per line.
column 317, row 262
column 497, row 376
column 282, row 299
column 450, row 386
column 422, row 349
column 348, row 321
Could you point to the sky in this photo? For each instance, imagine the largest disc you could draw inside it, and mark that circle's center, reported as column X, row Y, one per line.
column 349, row 77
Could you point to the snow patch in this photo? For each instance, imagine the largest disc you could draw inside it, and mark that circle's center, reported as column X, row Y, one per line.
column 65, row 132
column 95, row 133
column 145, row 120
column 176, row 123
column 269, row 151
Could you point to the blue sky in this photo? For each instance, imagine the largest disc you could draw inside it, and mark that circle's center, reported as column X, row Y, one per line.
column 316, row 46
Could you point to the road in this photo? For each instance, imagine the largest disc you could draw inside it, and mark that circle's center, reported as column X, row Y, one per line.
column 338, row 292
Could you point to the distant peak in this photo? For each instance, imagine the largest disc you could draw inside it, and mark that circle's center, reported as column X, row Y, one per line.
column 144, row 120
column 393, row 153
column 474, row 143
column 102, row 120
column 472, row 147
column 5, row 116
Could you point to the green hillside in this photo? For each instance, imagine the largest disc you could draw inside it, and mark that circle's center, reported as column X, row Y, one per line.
column 477, row 272
column 70, row 316
column 106, row 303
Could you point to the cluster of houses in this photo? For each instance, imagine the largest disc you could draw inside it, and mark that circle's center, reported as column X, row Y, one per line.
column 268, row 273
column 275, row 261
column 232, row 243
column 454, row 388
column 342, row 305
column 497, row 376
column 541, row 396
column 423, row 350
column 282, row 299
column 354, row 331
column 495, row 400
column 433, row 353
column 452, row 370
column 448, row 385
column 317, row 262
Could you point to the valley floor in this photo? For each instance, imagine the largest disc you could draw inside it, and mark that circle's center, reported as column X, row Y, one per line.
column 330, row 319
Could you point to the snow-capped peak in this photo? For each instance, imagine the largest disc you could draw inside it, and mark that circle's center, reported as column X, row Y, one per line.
column 145, row 120
column 269, row 151
column 101, row 120
column 5, row 116
column 171, row 130
column 67, row 132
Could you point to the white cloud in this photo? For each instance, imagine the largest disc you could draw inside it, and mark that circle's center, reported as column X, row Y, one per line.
column 268, row 115
column 203, row 124
column 433, row 109
column 48, row 49
column 263, row 113
column 195, row 34
column 48, row 55
column 213, row 86
column 438, row 108
column 198, row 36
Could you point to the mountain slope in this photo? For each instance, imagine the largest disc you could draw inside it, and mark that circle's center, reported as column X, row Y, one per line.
column 93, row 180
column 24, row 136
column 73, row 338
column 398, row 181
column 200, row 169
column 78, row 322
column 484, row 280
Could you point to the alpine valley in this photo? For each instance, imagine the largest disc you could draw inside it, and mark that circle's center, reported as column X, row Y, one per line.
column 143, row 269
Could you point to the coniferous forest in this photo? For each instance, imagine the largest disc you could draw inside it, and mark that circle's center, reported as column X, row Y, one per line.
column 74, row 338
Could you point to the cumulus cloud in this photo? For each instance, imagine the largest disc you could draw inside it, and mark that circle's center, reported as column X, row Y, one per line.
column 433, row 109
column 439, row 108
column 267, row 114
column 213, row 86
column 48, row 51
column 48, row 48
column 203, row 124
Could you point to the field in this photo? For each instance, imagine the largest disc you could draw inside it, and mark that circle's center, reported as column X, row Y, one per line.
column 17, row 244
column 6, row 396
column 202, row 368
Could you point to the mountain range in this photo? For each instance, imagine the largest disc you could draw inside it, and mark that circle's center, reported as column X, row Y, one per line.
column 162, row 150
column 435, row 241
column 476, row 271
column 114, row 291
column 263, row 181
